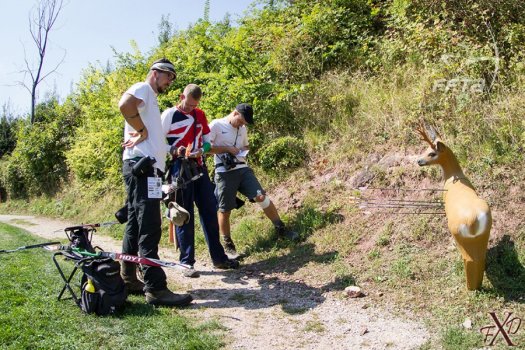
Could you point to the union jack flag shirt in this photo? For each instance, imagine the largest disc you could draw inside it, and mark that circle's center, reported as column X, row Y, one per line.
column 185, row 129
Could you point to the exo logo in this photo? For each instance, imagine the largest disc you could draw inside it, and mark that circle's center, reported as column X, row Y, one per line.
column 505, row 328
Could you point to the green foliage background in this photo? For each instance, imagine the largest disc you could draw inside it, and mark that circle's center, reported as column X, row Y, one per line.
column 315, row 71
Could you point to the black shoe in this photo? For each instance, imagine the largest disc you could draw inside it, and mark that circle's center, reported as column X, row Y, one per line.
column 230, row 250
column 228, row 264
column 166, row 297
column 128, row 272
column 282, row 231
column 135, row 287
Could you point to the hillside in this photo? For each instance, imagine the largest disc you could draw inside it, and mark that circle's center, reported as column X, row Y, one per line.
column 338, row 88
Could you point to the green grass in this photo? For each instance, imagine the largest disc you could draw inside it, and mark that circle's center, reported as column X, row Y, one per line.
column 32, row 317
column 456, row 338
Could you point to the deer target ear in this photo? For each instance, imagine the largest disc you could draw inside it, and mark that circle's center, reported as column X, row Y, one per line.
column 440, row 146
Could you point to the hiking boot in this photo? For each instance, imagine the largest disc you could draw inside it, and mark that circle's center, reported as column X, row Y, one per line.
column 135, row 287
column 282, row 231
column 128, row 272
column 166, row 297
column 228, row 264
column 191, row 273
column 229, row 249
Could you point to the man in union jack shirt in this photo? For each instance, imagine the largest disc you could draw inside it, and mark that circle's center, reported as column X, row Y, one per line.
column 187, row 133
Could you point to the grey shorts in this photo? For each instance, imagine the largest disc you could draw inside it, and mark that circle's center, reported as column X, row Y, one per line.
column 241, row 180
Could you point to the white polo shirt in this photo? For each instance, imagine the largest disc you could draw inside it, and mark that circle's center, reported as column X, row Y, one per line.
column 222, row 133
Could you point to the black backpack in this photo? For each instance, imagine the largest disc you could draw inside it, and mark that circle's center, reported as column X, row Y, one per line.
column 110, row 292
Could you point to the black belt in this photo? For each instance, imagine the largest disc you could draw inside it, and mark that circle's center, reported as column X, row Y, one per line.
column 222, row 164
column 134, row 160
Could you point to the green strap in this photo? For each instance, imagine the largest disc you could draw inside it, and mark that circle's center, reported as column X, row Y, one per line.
column 85, row 252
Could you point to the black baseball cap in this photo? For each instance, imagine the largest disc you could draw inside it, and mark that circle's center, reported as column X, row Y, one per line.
column 247, row 112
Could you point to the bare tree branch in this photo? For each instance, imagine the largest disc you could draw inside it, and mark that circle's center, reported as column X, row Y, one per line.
column 41, row 22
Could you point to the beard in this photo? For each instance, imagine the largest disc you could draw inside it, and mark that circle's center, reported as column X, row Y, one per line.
column 160, row 89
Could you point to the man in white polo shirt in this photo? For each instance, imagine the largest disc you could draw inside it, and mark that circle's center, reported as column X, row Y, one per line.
column 229, row 140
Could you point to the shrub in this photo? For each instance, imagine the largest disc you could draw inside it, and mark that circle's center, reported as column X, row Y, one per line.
column 95, row 157
column 282, row 153
column 7, row 134
column 37, row 164
column 11, row 179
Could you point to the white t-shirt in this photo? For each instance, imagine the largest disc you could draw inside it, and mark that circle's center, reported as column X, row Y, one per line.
column 155, row 144
column 222, row 133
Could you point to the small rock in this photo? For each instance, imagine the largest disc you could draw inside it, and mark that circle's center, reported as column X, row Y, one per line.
column 354, row 292
column 363, row 331
column 467, row 324
column 380, row 294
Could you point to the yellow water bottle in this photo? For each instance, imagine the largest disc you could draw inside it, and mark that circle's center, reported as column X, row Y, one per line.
column 90, row 288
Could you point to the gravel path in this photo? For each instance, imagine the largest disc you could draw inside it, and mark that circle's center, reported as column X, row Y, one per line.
column 263, row 310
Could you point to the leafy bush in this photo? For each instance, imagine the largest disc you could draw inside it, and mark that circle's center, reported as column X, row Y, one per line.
column 283, row 153
column 11, row 179
column 95, row 157
column 37, row 165
column 8, row 127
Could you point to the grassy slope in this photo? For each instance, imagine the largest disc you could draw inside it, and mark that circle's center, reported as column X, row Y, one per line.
column 33, row 318
column 407, row 263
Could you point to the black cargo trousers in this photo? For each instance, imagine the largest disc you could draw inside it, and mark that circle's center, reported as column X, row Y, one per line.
column 143, row 229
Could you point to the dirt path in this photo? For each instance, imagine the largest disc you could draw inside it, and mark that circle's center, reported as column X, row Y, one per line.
column 264, row 310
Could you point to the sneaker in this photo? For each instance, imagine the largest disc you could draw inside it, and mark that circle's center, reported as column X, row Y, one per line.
column 227, row 264
column 282, row 231
column 230, row 250
column 166, row 297
column 191, row 273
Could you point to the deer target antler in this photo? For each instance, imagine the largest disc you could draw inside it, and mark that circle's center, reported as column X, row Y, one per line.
column 421, row 129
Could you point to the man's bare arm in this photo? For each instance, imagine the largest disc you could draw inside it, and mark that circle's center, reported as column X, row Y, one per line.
column 129, row 109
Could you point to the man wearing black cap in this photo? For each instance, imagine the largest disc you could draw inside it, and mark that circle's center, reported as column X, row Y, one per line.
column 144, row 145
column 229, row 139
